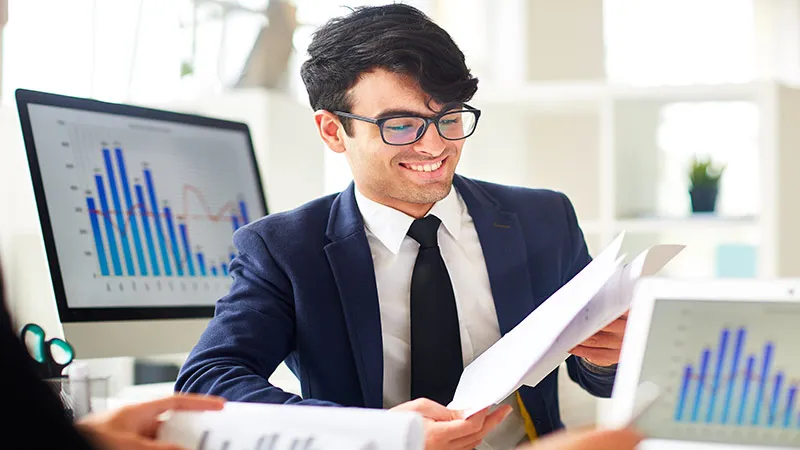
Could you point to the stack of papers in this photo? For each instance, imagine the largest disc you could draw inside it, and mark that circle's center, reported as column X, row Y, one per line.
column 291, row 427
column 594, row 298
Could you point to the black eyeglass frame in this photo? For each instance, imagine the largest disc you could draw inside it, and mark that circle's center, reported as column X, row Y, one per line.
column 428, row 121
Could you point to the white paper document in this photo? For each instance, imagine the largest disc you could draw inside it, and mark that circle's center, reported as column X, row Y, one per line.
column 594, row 298
column 254, row 426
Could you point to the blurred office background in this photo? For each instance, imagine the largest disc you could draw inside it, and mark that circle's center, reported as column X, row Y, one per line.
column 606, row 100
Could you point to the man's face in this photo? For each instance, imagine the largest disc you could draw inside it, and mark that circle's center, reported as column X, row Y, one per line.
column 409, row 178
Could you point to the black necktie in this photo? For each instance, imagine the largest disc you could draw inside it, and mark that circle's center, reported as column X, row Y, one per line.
column 436, row 363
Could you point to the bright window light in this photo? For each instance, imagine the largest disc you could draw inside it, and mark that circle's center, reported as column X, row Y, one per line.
column 654, row 42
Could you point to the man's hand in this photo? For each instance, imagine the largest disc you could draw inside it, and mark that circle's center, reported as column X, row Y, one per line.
column 446, row 429
column 625, row 439
column 603, row 348
column 134, row 427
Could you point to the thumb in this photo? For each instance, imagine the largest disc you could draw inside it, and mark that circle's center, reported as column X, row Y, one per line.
column 429, row 409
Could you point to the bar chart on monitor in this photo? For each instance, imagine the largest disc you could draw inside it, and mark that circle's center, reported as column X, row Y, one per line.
column 729, row 372
column 136, row 234
column 146, row 206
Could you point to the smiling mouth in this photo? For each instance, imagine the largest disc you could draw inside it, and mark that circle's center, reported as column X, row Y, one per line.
column 426, row 167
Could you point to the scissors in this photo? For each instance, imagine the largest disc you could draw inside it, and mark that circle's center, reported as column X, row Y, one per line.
column 49, row 363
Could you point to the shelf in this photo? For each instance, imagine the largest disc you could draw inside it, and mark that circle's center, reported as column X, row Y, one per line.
column 543, row 93
column 698, row 222
column 591, row 93
column 696, row 92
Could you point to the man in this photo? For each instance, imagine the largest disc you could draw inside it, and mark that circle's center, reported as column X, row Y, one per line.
column 379, row 296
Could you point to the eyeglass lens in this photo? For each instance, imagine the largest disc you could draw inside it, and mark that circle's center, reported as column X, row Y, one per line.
column 404, row 130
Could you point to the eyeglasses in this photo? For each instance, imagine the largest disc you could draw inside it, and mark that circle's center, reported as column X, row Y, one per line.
column 452, row 125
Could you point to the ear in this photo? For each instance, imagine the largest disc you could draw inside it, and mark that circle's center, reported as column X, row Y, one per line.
column 330, row 130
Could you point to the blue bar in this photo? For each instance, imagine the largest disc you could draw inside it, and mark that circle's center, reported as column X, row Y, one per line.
column 737, row 352
column 147, row 233
column 700, row 382
column 174, row 240
column 201, row 263
column 762, row 384
column 186, row 248
column 243, row 210
column 235, row 221
column 687, row 378
column 148, row 178
column 224, row 269
column 723, row 346
column 98, row 237
column 112, row 241
column 126, row 189
column 773, row 404
column 214, row 271
column 232, row 257
column 787, row 417
column 121, row 222
column 748, row 373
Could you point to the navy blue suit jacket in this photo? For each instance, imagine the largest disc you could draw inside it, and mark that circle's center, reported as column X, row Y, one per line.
column 304, row 291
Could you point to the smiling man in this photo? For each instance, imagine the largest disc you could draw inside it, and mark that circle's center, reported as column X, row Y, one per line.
column 380, row 295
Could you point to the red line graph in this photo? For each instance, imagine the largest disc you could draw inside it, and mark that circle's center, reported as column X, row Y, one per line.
column 228, row 208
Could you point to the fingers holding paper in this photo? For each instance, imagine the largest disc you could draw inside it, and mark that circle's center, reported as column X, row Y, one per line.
column 603, row 349
column 446, row 429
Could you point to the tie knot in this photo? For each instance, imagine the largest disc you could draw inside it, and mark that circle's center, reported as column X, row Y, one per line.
column 424, row 231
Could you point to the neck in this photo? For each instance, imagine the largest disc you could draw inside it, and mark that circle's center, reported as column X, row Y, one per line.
column 414, row 210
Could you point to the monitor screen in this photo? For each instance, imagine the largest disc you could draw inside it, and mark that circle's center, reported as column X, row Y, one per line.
column 137, row 206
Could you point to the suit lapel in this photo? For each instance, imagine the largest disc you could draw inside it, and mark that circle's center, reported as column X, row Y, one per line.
column 503, row 243
column 351, row 262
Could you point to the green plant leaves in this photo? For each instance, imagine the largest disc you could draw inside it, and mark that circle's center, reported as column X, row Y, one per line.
column 704, row 172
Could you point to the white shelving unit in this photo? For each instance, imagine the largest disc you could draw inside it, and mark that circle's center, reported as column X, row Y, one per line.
column 598, row 143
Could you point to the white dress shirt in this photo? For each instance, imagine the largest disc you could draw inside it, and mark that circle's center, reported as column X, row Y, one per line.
column 393, row 255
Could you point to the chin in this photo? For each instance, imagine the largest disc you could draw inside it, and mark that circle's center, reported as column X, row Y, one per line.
column 430, row 193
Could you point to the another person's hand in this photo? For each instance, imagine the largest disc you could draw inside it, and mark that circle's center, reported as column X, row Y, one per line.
column 603, row 348
column 623, row 439
column 134, row 427
column 446, row 429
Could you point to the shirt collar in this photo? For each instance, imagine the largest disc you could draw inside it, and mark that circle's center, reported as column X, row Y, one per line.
column 390, row 225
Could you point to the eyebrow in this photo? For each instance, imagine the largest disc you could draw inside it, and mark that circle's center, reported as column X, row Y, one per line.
column 400, row 112
column 407, row 112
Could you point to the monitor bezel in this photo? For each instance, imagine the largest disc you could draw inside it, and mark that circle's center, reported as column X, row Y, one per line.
column 26, row 97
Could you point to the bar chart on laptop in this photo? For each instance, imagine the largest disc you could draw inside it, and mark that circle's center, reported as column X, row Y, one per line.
column 145, row 205
column 729, row 372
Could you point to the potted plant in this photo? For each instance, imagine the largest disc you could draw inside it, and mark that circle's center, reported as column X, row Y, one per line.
column 704, row 176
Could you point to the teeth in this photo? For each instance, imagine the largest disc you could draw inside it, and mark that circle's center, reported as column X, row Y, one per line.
column 426, row 167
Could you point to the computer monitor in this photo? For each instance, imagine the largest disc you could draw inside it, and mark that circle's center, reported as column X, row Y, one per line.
column 137, row 209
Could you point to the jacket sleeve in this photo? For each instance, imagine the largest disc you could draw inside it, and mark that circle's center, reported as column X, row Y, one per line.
column 596, row 380
column 252, row 332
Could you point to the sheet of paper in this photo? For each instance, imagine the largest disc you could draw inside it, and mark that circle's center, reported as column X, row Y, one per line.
column 291, row 427
column 495, row 374
column 610, row 303
column 594, row 298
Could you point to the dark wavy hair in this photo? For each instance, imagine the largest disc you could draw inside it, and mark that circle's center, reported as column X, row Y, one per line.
column 398, row 38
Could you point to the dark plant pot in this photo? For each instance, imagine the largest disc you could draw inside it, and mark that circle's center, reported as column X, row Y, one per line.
column 704, row 198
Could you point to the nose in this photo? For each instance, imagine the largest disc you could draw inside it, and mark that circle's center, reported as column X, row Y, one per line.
column 431, row 143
